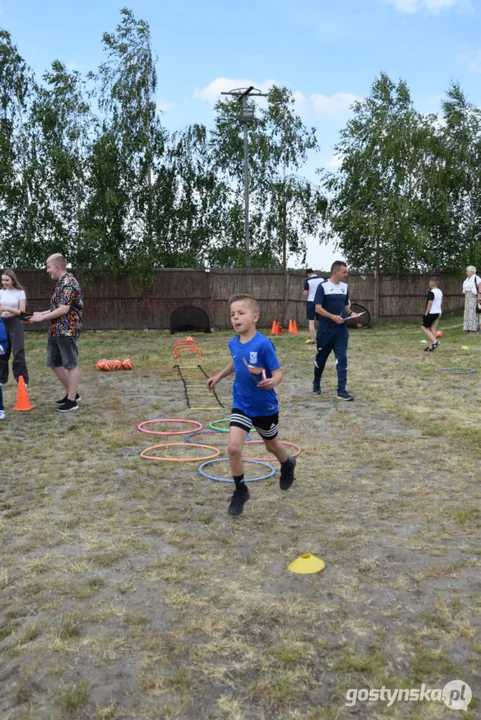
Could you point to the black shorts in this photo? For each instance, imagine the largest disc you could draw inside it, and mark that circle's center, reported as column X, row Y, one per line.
column 310, row 310
column 266, row 425
column 428, row 320
column 62, row 352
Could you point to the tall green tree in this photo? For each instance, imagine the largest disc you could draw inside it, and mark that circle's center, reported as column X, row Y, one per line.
column 190, row 201
column 131, row 142
column 377, row 211
column 16, row 83
column 454, row 240
column 285, row 207
column 59, row 137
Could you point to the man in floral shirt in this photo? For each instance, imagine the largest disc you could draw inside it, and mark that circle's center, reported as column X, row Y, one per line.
column 65, row 314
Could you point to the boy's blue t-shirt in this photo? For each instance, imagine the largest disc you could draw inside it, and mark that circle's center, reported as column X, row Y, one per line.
column 246, row 396
column 3, row 338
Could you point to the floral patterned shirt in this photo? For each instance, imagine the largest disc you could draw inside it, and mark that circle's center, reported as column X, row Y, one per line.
column 67, row 292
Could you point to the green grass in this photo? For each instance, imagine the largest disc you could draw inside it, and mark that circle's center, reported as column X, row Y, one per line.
column 127, row 591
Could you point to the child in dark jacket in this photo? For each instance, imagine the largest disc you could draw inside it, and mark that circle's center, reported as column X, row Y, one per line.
column 3, row 349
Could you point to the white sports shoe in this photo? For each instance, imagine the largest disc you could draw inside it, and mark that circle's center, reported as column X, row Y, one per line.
column 2, row 414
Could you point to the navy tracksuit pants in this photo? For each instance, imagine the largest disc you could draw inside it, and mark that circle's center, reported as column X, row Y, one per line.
column 326, row 343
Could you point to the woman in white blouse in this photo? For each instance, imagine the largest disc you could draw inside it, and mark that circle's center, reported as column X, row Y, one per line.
column 471, row 291
column 12, row 304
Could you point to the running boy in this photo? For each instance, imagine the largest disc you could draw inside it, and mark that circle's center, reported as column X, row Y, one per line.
column 434, row 302
column 254, row 401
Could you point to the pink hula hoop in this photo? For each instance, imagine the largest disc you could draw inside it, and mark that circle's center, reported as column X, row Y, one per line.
column 282, row 442
column 198, row 426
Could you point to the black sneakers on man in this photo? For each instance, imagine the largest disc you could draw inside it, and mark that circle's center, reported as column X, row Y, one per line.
column 64, row 399
column 68, row 406
column 344, row 395
column 239, row 498
column 316, row 387
column 287, row 474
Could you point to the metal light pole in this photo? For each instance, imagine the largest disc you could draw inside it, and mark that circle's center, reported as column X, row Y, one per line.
column 246, row 116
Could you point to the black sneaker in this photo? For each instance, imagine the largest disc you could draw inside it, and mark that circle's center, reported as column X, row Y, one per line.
column 68, row 406
column 287, row 474
column 316, row 387
column 237, row 502
column 344, row 395
column 64, row 399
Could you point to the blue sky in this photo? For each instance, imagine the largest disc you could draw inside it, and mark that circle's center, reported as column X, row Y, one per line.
column 326, row 51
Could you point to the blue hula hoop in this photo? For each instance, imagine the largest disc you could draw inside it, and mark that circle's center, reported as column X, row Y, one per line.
column 211, row 432
column 227, row 480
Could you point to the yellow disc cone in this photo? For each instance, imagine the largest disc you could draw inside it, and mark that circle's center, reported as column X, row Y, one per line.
column 306, row 565
column 464, row 347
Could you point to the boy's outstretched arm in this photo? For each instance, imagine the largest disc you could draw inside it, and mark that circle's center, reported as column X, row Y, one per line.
column 222, row 374
column 271, row 382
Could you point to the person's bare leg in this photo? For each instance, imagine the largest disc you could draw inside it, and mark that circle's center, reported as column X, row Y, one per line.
column 236, row 442
column 312, row 330
column 73, row 377
column 62, row 375
column 241, row 494
column 275, row 447
column 287, row 463
column 428, row 334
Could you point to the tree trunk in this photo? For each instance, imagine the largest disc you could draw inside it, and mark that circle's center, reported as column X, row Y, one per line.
column 377, row 286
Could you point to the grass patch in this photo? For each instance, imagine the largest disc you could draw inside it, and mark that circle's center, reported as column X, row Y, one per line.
column 135, row 569
column 74, row 697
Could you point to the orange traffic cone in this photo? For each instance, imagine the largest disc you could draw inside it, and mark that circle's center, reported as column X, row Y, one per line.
column 280, row 329
column 274, row 328
column 23, row 403
column 289, row 329
column 295, row 331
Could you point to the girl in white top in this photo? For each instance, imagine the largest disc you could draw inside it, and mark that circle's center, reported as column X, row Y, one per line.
column 471, row 291
column 12, row 305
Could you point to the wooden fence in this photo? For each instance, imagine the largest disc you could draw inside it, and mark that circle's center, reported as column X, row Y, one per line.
column 114, row 302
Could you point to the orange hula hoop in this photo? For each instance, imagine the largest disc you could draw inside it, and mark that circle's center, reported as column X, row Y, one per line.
column 282, row 442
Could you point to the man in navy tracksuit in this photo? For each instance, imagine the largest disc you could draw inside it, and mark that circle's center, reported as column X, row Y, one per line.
column 332, row 307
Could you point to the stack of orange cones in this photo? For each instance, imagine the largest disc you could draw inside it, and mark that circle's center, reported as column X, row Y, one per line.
column 23, row 403
column 293, row 327
column 274, row 328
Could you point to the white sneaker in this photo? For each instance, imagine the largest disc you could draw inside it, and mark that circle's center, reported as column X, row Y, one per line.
column 2, row 414
column 2, row 384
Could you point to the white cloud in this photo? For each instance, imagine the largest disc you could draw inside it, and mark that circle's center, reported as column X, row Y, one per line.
column 302, row 104
column 335, row 106
column 71, row 67
column 334, row 162
column 213, row 91
column 434, row 7
column 165, row 105
column 470, row 58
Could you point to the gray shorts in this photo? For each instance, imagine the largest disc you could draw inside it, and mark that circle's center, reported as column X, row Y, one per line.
column 62, row 352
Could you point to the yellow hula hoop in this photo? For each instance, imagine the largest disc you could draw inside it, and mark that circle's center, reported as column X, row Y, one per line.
column 182, row 444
